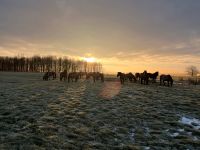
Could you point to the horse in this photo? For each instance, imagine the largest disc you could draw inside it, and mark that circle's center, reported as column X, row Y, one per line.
column 153, row 76
column 53, row 74
column 81, row 74
column 122, row 77
column 131, row 77
column 95, row 76
column 144, row 77
column 137, row 76
column 46, row 76
column 167, row 78
column 63, row 75
column 73, row 76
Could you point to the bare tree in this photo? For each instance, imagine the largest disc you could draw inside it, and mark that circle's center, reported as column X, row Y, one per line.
column 192, row 71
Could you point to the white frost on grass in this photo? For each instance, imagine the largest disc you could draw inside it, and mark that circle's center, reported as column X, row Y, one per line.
column 181, row 130
column 174, row 134
column 195, row 123
column 132, row 135
column 195, row 138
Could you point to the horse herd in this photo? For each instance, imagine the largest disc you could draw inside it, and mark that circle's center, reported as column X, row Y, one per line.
column 143, row 77
column 74, row 76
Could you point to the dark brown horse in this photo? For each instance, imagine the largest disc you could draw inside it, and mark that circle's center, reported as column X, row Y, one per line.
column 46, row 76
column 166, row 78
column 153, row 76
column 137, row 76
column 73, row 76
column 122, row 77
column 144, row 77
column 49, row 74
column 82, row 74
column 128, row 76
column 63, row 75
column 95, row 76
column 53, row 74
column 131, row 77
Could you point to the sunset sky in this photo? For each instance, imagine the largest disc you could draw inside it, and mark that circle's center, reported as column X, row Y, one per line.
column 124, row 35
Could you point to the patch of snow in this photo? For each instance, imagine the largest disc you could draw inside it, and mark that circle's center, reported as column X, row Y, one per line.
column 147, row 148
column 174, row 134
column 132, row 135
column 195, row 138
column 195, row 123
column 181, row 130
column 130, row 96
column 189, row 133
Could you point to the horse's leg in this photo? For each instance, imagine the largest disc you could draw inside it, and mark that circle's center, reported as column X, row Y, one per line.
column 147, row 81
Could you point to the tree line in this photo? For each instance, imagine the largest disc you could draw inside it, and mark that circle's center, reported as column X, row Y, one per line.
column 47, row 63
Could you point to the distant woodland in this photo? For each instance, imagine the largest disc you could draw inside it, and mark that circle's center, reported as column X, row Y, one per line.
column 47, row 63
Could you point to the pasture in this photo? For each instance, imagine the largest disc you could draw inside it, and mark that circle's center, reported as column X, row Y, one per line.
column 36, row 114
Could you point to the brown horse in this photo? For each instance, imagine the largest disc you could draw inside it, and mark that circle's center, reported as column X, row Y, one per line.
column 137, row 76
column 82, row 74
column 46, row 76
column 53, row 74
column 73, row 76
column 49, row 74
column 95, row 76
column 63, row 75
column 122, row 77
column 153, row 76
column 131, row 77
column 166, row 78
column 144, row 77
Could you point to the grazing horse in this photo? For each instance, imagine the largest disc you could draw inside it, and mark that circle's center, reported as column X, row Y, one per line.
column 153, row 76
column 46, row 76
column 73, row 76
column 144, row 77
column 166, row 78
column 122, row 77
column 63, row 75
column 95, row 76
column 131, row 77
column 82, row 74
column 53, row 74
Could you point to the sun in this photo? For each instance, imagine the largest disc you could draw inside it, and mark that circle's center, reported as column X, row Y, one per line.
column 89, row 59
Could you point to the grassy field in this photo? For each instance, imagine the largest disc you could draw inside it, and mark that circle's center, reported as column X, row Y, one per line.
column 36, row 114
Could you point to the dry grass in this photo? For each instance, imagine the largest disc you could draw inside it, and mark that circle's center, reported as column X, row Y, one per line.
column 36, row 114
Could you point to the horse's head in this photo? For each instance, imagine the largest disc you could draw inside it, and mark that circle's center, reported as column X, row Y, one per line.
column 156, row 73
column 137, row 75
column 144, row 73
column 119, row 74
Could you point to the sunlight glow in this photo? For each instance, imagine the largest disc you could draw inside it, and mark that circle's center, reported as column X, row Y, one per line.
column 89, row 59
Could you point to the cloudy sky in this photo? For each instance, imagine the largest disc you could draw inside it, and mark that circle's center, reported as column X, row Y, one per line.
column 125, row 35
